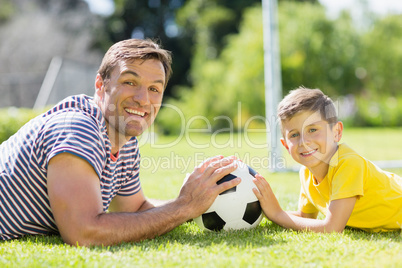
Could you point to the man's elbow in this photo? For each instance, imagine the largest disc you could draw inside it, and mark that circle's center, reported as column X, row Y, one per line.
column 79, row 239
column 84, row 235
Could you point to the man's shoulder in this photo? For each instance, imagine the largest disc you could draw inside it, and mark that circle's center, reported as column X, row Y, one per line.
column 81, row 103
column 74, row 109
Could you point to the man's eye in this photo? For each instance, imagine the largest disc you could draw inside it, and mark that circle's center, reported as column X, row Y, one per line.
column 130, row 83
column 294, row 135
column 313, row 130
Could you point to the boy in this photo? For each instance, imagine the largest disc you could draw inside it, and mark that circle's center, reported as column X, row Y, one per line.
column 348, row 189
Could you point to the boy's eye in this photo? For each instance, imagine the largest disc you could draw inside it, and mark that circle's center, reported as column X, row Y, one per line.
column 129, row 83
column 294, row 135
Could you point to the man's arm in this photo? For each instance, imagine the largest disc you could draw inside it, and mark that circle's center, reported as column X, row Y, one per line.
column 125, row 203
column 337, row 216
column 76, row 203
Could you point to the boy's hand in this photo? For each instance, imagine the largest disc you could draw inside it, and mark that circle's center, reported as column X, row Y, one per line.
column 265, row 195
column 339, row 211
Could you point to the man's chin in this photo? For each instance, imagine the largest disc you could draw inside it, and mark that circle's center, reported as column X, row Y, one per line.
column 135, row 132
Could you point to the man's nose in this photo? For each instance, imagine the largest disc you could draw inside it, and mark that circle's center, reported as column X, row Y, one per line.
column 141, row 96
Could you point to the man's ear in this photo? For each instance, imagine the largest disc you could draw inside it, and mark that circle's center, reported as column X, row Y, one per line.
column 338, row 129
column 284, row 144
column 99, row 86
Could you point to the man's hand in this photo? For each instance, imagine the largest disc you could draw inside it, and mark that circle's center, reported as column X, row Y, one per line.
column 76, row 203
column 200, row 189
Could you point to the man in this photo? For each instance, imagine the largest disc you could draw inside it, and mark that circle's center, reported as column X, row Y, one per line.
column 63, row 170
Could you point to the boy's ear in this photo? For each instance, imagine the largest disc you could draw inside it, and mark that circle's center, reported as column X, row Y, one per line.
column 338, row 129
column 284, row 144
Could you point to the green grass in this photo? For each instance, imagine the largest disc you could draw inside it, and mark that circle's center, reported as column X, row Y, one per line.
column 266, row 245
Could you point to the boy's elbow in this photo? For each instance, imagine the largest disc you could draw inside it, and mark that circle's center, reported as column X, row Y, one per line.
column 333, row 228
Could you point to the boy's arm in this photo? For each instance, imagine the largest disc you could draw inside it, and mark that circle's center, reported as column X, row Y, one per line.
column 338, row 213
column 303, row 215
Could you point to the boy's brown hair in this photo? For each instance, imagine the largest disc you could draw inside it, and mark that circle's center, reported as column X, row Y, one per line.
column 305, row 99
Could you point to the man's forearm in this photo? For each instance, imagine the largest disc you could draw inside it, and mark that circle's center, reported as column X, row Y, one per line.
column 155, row 203
column 116, row 227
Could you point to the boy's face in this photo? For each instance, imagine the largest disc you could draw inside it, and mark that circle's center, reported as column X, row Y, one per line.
column 311, row 141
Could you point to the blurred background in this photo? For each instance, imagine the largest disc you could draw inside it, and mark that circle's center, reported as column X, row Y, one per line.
column 352, row 50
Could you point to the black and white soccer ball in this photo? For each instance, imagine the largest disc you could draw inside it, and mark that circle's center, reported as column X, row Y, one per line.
column 234, row 209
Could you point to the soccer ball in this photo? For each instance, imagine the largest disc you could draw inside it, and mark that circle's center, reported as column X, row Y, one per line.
column 236, row 208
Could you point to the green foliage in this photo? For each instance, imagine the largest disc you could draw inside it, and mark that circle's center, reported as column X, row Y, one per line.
column 382, row 111
column 12, row 119
column 229, row 89
column 7, row 10
column 316, row 52
column 382, row 56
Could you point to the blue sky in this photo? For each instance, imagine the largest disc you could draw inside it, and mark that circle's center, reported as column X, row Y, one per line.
column 334, row 6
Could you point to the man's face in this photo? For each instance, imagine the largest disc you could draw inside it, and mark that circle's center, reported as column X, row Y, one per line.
column 131, row 98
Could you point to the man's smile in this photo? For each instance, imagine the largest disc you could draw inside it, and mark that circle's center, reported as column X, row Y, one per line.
column 135, row 112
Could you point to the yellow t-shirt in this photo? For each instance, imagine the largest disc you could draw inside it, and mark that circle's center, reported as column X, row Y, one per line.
column 379, row 203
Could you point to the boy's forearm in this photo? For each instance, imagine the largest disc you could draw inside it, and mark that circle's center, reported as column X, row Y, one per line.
column 295, row 213
column 303, row 215
column 298, row 223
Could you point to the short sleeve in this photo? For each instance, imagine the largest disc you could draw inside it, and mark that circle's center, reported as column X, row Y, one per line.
column 128, row 168
column 347, row 179
column 132, row 185
column 305, row 205
column 76, row 133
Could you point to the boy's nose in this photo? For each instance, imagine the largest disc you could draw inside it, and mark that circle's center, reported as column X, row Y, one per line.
column 304, row 140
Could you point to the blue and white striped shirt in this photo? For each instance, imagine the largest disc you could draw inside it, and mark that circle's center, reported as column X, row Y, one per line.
column 77, row 126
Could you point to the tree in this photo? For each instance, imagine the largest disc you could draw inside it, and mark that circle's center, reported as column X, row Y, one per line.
column 7, row 10
column 381, row 63
column 153, row 19
column 315, row 52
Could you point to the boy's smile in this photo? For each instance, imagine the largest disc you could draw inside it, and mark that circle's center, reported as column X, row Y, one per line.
column 311, row 141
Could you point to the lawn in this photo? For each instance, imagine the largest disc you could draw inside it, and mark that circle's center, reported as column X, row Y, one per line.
column 164, row 165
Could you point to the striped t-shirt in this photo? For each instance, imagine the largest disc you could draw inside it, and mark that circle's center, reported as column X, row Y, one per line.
column 77, row 126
